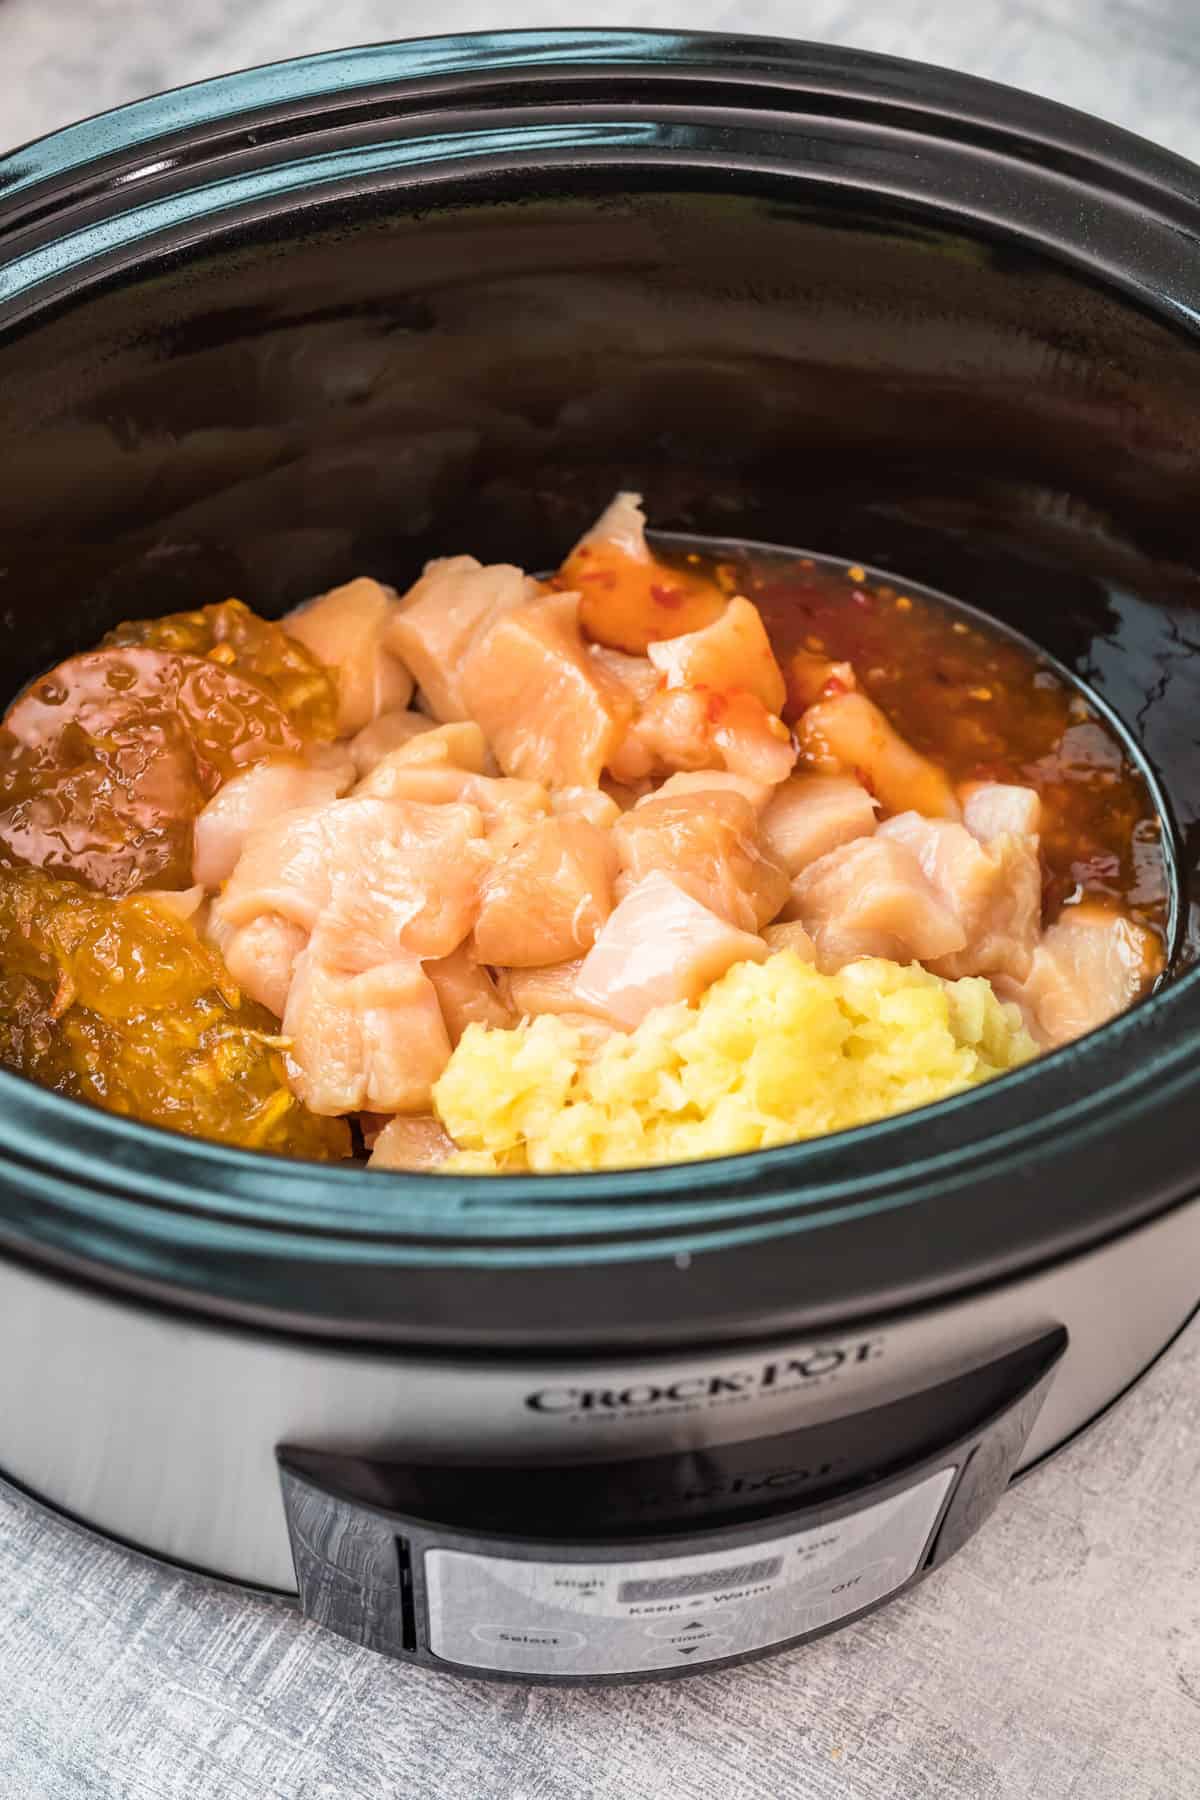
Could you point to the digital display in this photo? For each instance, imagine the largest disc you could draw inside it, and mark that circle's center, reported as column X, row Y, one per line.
column 708, row 1581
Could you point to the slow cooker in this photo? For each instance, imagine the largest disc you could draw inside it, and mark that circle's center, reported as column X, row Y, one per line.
column 341, row 314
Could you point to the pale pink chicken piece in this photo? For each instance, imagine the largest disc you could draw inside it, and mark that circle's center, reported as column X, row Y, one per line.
column 636, row 674
column 261, row 956
column 994, row 891
column 811, row 677
column 790, row 935
column 528, row 992
column 373, row 1039
column 388, row 732
column 708, row 843
column 417, row 1144
column 257, row 795
column 389, row 875
column 346, row 629
column 629, row 597
column 549, row 710
column 711, row 781
column 455, row 599
column 733, row 654
column 431, row 767
column 545, row 901
column 597, row 807
column 752, row 740
column 427, row 772
column 993, row 808
column 672, row 731
column 466, row 992
column 810, row 815
column 689, row 729
column 660, row 945
column 458, row 745
column 871, row 898
column 848, row 735
column 1090, row 965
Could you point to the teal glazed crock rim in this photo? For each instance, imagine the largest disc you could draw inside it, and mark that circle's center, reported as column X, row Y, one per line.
column 1062, row 1155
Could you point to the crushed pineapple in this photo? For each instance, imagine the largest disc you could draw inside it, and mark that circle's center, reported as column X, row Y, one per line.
column 773, row 1052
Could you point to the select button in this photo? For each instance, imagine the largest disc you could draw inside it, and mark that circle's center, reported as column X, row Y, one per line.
column 528, row 1637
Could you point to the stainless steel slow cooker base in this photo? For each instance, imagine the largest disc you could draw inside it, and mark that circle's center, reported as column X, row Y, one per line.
column 163, row 1431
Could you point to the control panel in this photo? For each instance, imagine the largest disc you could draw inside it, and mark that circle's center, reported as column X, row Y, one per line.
column 599, row 1571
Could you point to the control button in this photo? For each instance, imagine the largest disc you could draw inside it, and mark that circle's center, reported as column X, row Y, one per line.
column 529, row 1637
column 703, row 1626
column 845, row 1583
column 690, row 1637
column 705, row 1646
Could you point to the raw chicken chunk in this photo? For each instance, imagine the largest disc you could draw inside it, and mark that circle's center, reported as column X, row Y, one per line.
column 346, row 629
column 810, row 815
column 528, row 992
column 260, row 793
column 1089, row 966
column 550, row 712
column 586, row 803
column 387, row 875
column 672, row 731
column 374, row 1039
column 414, row 1143
column 456, row 746
column 992, row 808
column 466, row 992
column 659, row 946
column 732, row 654
column 871, row 898
column 811, row 678
column 388, row 732
column 711, row 781
column 752, row 740
column 261, row 956
column 994, row 891
column 790, row 935
column 689, row 729
column 546, row 900
column 848, row 735
column 628, row 597
column 709, row 844
column 437, row 619
column 636, row 674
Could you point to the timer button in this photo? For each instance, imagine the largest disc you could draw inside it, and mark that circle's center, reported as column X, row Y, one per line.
column 694, row 1633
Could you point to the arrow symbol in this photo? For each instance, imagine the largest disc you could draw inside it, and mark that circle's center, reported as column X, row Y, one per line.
column 693, row 1627
column 688, row 1649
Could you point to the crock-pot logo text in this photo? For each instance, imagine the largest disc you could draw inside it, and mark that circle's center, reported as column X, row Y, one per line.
column 785, row 1375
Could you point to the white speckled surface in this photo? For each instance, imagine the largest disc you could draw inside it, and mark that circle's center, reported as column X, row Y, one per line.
column 1057, row 1658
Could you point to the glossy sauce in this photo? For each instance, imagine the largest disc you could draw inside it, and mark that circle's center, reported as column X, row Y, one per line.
column 984, row 706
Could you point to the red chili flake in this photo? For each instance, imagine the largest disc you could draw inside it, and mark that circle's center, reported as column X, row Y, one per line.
column 864, row 600
column 716, row 706
column 834, row 686
column 671, row 597
column 864, row 780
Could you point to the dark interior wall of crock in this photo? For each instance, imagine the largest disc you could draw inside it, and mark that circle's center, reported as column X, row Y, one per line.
column 367, row 386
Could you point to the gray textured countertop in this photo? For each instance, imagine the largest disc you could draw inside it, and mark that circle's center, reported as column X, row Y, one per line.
column 1057, row 1658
